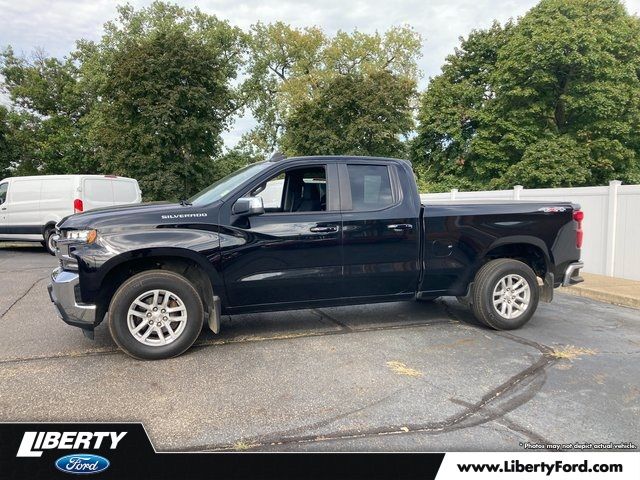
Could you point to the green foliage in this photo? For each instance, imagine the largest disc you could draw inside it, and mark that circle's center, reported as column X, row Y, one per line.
column 548, row 163
column 450, row 111
column 290, row 69
column 353, row 114
column 162, row 80
column 47, row 128
column 6, row 142
column 551, row 101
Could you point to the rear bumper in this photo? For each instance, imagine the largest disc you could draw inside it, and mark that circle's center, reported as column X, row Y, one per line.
column 62, row 291
column 572, row 274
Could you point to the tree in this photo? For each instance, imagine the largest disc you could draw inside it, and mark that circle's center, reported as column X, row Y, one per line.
column 450, row 111
column 161, row 77
column 6, row 143
column 288, row 65
column 354, row 114
column 47, row 114
column 563, row 94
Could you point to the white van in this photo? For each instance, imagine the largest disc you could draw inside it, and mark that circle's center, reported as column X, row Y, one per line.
column 30, row 207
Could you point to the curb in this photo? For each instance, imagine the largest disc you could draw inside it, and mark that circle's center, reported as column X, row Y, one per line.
column 602, row 296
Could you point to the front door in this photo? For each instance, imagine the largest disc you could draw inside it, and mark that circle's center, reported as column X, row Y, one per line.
column 381, row 238
column 292, row 253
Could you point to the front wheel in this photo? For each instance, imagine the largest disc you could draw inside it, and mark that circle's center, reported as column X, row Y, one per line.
column 505, row 294
column 49, row 243
column 156, row 314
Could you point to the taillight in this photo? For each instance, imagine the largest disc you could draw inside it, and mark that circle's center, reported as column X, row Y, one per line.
column 578, row 216
column 77, row 206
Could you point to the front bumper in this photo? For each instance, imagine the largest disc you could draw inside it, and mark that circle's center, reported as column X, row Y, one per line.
column 62, row 291
column 572, row 274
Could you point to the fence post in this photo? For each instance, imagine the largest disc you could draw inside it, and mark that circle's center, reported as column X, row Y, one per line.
column 453, row 193
column 517, row 189
column 612, row 221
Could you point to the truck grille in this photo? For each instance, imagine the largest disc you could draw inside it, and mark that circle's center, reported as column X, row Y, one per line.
column 63, row 253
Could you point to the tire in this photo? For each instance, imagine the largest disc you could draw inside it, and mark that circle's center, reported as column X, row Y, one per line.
column 505, row 294
column 48, row 241
column 181, row 302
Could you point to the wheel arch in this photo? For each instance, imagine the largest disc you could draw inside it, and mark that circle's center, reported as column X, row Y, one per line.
column 529, row 250
column 47, row 226
column 188, row 263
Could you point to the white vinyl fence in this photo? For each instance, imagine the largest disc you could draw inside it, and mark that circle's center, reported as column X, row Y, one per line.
column 611, row 223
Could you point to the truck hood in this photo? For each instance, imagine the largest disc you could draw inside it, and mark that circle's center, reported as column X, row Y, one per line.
column 152, row 214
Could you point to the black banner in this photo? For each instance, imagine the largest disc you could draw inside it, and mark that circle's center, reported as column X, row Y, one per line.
column 123, row 451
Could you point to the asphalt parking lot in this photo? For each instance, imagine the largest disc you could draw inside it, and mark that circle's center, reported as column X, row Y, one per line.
column 402, row 377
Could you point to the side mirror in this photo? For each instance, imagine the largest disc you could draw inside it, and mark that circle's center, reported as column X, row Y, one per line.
column 247, row 206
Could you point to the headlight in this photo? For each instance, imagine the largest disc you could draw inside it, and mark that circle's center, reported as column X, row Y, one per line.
column 87, row 236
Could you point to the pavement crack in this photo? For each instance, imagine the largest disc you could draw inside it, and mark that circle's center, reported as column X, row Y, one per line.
column 22, row 296
column 326, row 421
column 532, row 436
column 511, row 394
column 324, row 314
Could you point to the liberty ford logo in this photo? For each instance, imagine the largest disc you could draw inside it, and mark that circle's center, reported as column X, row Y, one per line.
column 82, row 463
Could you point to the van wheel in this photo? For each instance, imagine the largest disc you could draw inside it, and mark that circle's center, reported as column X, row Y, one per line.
column 505, row 294
column 156, row 314
column 48, row 243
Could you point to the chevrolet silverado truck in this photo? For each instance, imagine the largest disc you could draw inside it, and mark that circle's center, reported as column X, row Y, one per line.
column 303, row 233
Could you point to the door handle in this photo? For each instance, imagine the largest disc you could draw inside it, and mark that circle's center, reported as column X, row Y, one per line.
column 4, row 208
column 327, row 229
column 399, row 227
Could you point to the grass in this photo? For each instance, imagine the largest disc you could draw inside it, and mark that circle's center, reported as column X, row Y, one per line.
column 240, row 445
column 401, row 369
column 571, row 352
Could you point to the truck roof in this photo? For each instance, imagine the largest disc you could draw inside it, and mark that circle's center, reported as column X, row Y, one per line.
column 335, row 158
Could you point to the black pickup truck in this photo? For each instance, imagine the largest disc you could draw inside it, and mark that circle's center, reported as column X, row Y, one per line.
column 299, row 233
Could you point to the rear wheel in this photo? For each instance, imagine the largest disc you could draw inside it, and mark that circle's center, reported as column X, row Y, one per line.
column 155, row 315
column 505, row 294
column 49, row 244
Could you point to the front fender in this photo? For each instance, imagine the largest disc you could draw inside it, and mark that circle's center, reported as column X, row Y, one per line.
column 110, row 251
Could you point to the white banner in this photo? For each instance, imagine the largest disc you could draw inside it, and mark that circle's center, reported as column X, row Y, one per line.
column 540, row 465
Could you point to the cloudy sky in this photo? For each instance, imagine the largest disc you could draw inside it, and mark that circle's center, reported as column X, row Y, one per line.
column 55, row 25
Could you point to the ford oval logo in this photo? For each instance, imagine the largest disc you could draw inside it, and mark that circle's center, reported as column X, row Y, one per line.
column 82, row 463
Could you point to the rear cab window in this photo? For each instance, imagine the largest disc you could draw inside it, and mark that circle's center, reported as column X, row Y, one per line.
column 370, row 187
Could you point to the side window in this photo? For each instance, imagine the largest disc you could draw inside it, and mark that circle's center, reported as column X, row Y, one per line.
column 271, row 193
column 3, row 192
column 295, row 190
column 370, row 187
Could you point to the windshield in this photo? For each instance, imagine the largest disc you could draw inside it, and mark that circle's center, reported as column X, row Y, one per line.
column 225, row 185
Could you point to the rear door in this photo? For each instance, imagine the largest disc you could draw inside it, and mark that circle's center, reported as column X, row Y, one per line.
column 125, row 191
column 381, row 239
column 97, row 192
